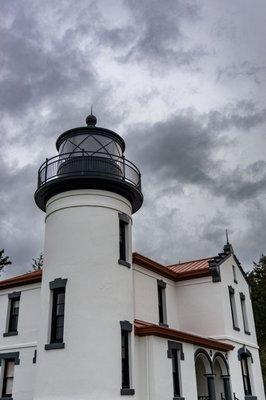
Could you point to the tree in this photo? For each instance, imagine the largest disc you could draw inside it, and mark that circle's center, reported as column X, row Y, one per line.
column 37, row 264
column 257, row 280
column 4, row 260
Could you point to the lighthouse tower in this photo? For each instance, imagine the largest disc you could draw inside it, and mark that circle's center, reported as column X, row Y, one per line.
column 89, row 192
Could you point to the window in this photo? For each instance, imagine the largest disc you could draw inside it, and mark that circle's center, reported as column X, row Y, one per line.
column 245, row 374
column 175, row 352
column 58, row 313
column 244, row 313
column 161, row 285
column 233, row 308
column 8, row 362
column 12, row 323
column 8, row 377
column 126, row 328
column 175, row 373
column 58, row 288
column 123, row 239
column 234, row 273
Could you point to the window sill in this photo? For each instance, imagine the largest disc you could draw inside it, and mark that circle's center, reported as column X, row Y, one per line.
column 6, row 334
column 127, row 392
column 125, row 263
column 54, row 346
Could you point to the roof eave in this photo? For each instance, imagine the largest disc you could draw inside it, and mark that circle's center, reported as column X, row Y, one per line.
column 168, row 333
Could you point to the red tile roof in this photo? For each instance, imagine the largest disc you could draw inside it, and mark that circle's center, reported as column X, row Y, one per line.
column 176, row 272
column 25, row 279
column 143, row 328
column 190, row 265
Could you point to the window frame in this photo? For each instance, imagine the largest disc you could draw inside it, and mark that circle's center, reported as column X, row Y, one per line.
column 4, row 357
column 234, row 273
column 6, row 378
column 57, row 288
column 244, row 313
column 233, row 308
column 124, row 222
column 58, row 315
column 245, row 377
column 161, row 293
column 12, row 330
column 175, row 352
column 244, row 355
column 126, row 329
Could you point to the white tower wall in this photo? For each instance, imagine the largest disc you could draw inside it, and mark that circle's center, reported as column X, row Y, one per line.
column 82, row 245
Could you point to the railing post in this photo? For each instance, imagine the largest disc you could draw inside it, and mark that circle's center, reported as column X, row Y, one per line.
column 82, row 164
column 124, row 167
column 46, row 167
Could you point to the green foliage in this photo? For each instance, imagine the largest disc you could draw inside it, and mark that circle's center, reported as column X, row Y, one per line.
column 4, row 260
column 257, row 280
column 37, row 264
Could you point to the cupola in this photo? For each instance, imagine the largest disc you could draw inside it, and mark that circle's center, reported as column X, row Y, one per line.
column 89, row 157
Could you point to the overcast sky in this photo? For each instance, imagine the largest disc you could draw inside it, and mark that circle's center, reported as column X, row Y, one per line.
column 184, row 83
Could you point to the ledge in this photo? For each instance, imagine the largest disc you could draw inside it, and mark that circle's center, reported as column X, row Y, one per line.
column 6, row 398
column 6, row 334
column 54, row 346
column 127, row 392
column 125, row 263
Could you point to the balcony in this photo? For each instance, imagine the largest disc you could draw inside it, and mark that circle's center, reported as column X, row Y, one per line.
column 89, row 170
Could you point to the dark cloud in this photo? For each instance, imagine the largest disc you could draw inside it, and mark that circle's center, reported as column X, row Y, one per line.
column 34, row 72
column 58, row 57
column 22, row 225
column 156, row 34
column 184, row 149
column 243, row 70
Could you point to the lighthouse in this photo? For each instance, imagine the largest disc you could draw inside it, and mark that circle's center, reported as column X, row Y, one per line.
column 88, row 192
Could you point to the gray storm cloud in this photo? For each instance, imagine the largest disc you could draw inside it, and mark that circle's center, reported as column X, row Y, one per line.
column 183, row 82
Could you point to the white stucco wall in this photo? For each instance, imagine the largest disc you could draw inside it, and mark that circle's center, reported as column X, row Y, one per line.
column 203, row 307
column 82, row 245
column 146, row 297
column 26, row 341
column 241, row 286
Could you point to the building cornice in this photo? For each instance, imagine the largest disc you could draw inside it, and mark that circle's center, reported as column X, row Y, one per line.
column 21, row 280
column 143, row 328
column 154, row 266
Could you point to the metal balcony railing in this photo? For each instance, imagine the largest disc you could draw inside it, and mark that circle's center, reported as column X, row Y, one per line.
column 89, row 164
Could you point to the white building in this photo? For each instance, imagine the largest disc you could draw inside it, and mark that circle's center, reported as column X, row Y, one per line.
column 100, row 322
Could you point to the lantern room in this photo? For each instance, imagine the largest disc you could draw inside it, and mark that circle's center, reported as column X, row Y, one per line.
column 89, row 157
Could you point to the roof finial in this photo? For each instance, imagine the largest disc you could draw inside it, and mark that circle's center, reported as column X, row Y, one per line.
column 91, row 120
column 226, row 235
